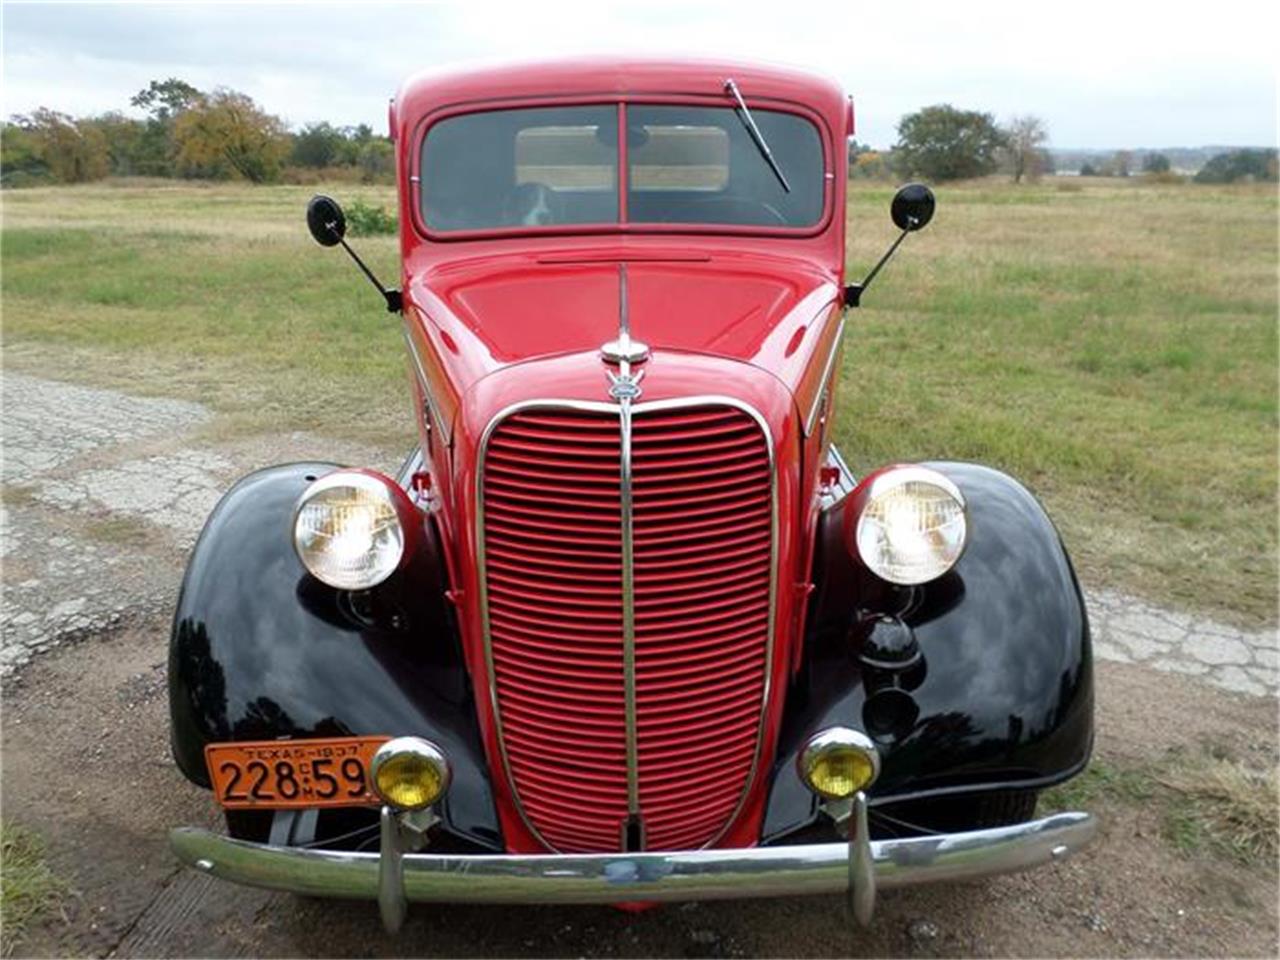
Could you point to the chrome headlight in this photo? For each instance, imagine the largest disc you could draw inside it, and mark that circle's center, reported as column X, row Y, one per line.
column 910, row 524
column 349, row 529
column 838, row 762
column 410, row 773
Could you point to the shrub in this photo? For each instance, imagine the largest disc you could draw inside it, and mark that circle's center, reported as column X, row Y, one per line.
column 366, row 220
column 1239, row 165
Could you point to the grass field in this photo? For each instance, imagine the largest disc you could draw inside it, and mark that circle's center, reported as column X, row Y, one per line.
column 1112, row 344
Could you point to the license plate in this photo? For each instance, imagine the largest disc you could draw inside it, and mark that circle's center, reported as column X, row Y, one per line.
column 270, row 774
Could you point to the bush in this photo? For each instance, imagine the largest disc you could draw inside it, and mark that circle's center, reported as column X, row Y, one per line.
column 1239, row 165
column 369, row 221
column 871, row 166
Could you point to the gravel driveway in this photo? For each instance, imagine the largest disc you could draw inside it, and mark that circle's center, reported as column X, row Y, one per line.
column 104, row 495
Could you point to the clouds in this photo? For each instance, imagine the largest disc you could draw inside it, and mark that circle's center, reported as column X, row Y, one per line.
column 1099, row 74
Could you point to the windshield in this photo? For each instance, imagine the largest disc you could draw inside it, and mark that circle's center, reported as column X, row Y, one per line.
column 550, row 166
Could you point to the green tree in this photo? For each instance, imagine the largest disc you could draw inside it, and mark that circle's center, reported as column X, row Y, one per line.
column 21, row 160
column 1239, row 165
column 317, row 145
column 226, row 134
column 377, row 160
column 126, row 140
column 943, row 143
column 71, row 151
column 1155, row 163
column 164, row 101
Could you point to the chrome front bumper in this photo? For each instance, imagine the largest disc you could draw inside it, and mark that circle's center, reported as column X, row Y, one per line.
column 857, row 868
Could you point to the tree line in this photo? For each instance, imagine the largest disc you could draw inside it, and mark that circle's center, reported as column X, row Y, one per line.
column 223, row 134
column 943, row 142
column 219, row 134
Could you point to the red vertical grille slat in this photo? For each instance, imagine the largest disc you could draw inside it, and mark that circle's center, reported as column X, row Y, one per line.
column 701, row 653
column 557, row 652
column 702, row 542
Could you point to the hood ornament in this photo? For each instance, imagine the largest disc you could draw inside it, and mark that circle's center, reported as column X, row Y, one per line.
column 624, row 385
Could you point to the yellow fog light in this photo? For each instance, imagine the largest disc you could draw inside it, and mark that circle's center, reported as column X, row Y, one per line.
column 410, row 773
column 838, row 762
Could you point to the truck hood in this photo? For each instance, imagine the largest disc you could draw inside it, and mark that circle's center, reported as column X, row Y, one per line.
column 517, row 311
column 467, row 320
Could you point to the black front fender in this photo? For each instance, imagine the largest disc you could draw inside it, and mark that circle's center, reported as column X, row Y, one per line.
column 262, row 650
column 1002, row 695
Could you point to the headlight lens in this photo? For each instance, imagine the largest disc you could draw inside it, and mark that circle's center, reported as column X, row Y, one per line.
column 410, row 773
column 347, row 530
column 838, row 762
column 912, row 526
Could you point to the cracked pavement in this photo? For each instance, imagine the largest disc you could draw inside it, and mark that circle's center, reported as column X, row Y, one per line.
column 104, row 496
column 105, row 493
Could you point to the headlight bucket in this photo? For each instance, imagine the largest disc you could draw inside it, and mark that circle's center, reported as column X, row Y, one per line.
column 352, row 529
column 410, row 773
column 838, row 762
column 907, row 524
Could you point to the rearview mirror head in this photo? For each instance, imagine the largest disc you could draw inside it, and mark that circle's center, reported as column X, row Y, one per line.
column 326, row 221
column 912, row 207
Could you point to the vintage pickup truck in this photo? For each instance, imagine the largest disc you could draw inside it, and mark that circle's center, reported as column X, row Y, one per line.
column 625, row 628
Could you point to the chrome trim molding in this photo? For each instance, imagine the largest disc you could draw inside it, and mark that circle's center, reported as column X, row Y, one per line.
column 624, row 350
column 650, row 877
column 824, row 384
column 432, row 406
column 625, row 411
column 629, row 609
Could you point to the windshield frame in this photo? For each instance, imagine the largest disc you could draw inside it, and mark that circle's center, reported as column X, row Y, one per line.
column 412, row 182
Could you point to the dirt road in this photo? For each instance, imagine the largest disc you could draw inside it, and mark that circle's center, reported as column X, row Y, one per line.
column 86, row 760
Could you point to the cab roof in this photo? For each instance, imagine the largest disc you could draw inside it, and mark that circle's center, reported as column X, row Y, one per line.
column 430, row 90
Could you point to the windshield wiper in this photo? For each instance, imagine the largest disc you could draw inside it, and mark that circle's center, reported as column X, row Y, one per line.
column 749, row 122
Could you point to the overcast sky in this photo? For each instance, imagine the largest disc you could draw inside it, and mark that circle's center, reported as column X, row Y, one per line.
column 1126, row 73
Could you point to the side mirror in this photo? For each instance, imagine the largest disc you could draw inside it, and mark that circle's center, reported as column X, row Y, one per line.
column 327, row 222
column 912, row 207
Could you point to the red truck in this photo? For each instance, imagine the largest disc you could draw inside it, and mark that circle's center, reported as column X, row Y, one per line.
column 625, row 628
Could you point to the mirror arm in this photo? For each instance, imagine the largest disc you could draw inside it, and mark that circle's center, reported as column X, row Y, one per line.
column 394, row 300
column 853, row 292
